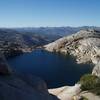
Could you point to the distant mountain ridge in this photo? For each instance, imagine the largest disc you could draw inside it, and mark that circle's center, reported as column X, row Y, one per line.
column 25, row 39
column 61, row 31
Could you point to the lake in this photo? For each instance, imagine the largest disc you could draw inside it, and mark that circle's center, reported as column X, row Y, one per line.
column 56, row 69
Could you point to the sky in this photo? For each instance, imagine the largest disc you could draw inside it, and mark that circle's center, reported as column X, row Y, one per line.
column 49, row 13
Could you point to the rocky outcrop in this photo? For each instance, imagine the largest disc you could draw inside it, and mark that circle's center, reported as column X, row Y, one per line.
column 4, row 67
column 96, row 70
column 73, row 93
column 14, row 87
column 66, row 92
column 85, row 45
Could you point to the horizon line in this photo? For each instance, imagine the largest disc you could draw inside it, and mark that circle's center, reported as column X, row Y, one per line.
column 48, row 26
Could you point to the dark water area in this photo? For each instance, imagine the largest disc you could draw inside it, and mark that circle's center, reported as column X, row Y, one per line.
column 56, row 69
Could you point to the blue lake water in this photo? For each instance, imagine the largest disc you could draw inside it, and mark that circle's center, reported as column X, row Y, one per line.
column 56, row 69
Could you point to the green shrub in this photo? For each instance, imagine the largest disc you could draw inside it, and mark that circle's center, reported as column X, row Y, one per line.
column 88, row 82
column 91, row 83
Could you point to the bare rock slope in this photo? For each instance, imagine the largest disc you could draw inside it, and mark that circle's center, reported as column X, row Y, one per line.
column 85, row 45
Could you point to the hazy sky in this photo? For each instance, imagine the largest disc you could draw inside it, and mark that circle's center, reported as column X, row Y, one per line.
column 36, row 13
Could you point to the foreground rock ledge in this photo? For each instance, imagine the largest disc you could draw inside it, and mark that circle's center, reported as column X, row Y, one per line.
column 66, row 92
column 14, row 87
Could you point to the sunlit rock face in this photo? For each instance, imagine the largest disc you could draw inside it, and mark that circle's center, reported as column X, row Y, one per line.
column 96, row 70
column 66, row 92
column 85, row 45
